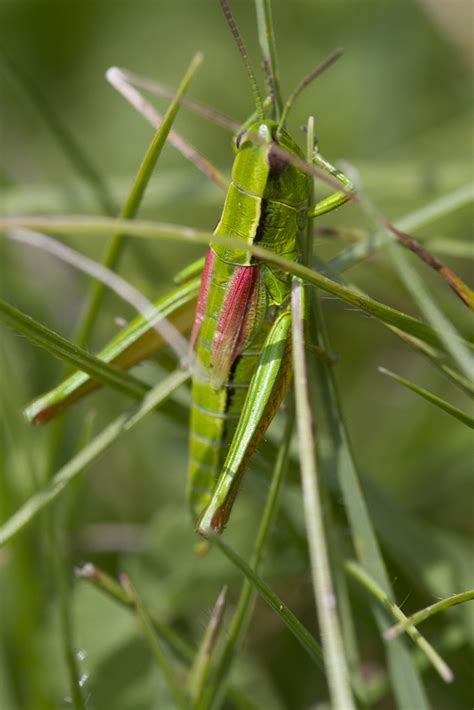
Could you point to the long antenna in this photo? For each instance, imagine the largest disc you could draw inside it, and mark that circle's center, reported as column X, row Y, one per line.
column 325, row 64
column 245, row 57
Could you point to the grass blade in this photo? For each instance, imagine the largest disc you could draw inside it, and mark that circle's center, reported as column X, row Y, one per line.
column 420, row 218
column 131, row 345
column 243, row 612
column 465, row 384
column 174, row 687
column 404, row 676
column 369, row 583
column 427, row 612
column 334, row 657
column 66, row 351
column 101, row 580
column 430, row 397
column 120, row 286
column 134, row 199
column 86, row 226
column 183, row 650
column 103, row 441
column 266, row 37
column 200, row 671
column 307, row 640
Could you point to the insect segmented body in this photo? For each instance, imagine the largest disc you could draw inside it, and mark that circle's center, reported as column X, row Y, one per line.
column 240, row 305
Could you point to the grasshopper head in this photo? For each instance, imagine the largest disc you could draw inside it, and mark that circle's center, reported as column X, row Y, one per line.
column 269, row 163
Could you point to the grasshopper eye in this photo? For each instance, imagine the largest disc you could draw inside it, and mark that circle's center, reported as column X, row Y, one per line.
column 276, row 158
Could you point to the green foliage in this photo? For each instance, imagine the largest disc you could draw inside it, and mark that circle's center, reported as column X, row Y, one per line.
column 394, row 470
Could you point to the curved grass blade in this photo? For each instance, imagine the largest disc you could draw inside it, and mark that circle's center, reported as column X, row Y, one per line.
column 134, row 343
column 202, row 663
column 199, row 109
column 164, row 328
column 404, row 677
column 149, row 632
column 465, row 384
column 411, row 222
column 103, row 441
column 430, row 397
column 371, row 585
column 266, row 36
column 66, row 351
column 183, row 650
column 247, row 597
column 419, row 616
column 334, row 657
column 133, row 201
column 300, row 632
column 86, row 226
column 124, row 82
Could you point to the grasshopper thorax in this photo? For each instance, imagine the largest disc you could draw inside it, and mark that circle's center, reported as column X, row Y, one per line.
column 269, row 164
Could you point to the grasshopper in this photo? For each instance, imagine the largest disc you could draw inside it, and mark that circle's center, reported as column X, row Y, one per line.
column 241, row 330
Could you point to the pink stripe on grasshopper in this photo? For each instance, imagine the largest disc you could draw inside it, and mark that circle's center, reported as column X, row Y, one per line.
column 237, row 322
column 202, row 296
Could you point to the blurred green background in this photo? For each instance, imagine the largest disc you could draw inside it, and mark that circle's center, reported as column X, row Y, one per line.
column 398, row 108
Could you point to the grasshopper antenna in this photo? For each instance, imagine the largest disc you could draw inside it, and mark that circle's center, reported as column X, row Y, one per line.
column 325, row 64
column 245, row 57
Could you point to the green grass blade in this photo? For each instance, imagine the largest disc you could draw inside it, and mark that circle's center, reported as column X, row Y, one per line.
column 246, row 602
column 429, row 309
column 103, row 441
column 303, row 636
column 429, row 611
column 61, row 571
column 160, row 655
column 465, row 384
column 334, row 657
column 66, row 351
column 134, row 199
column 184, row 651
column 108, row 585
column 430, row 397
column 415, row 220
column 266, row 37
column 405, row 679
column 135, row 342
column 371, row 585
column 202, row 663
column 155, row 230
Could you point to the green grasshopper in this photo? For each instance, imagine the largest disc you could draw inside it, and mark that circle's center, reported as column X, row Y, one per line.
column 241, row 327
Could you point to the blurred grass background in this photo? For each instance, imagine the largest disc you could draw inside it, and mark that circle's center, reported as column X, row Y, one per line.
column 397, row 107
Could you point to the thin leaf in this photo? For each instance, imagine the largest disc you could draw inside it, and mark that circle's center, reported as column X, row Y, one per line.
column 133, row 201
column 202, row 663
column 427, row 612
column 183, row 650
column 162, row 660
column 66, row 351
column 103, row 441
column 467, row 385
column 303, row 636
column 415, row 220
column 430, row 397
column 247, row 597
column 404, row 676
column 87, row 226
column 334, row 658
column 371, row 585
